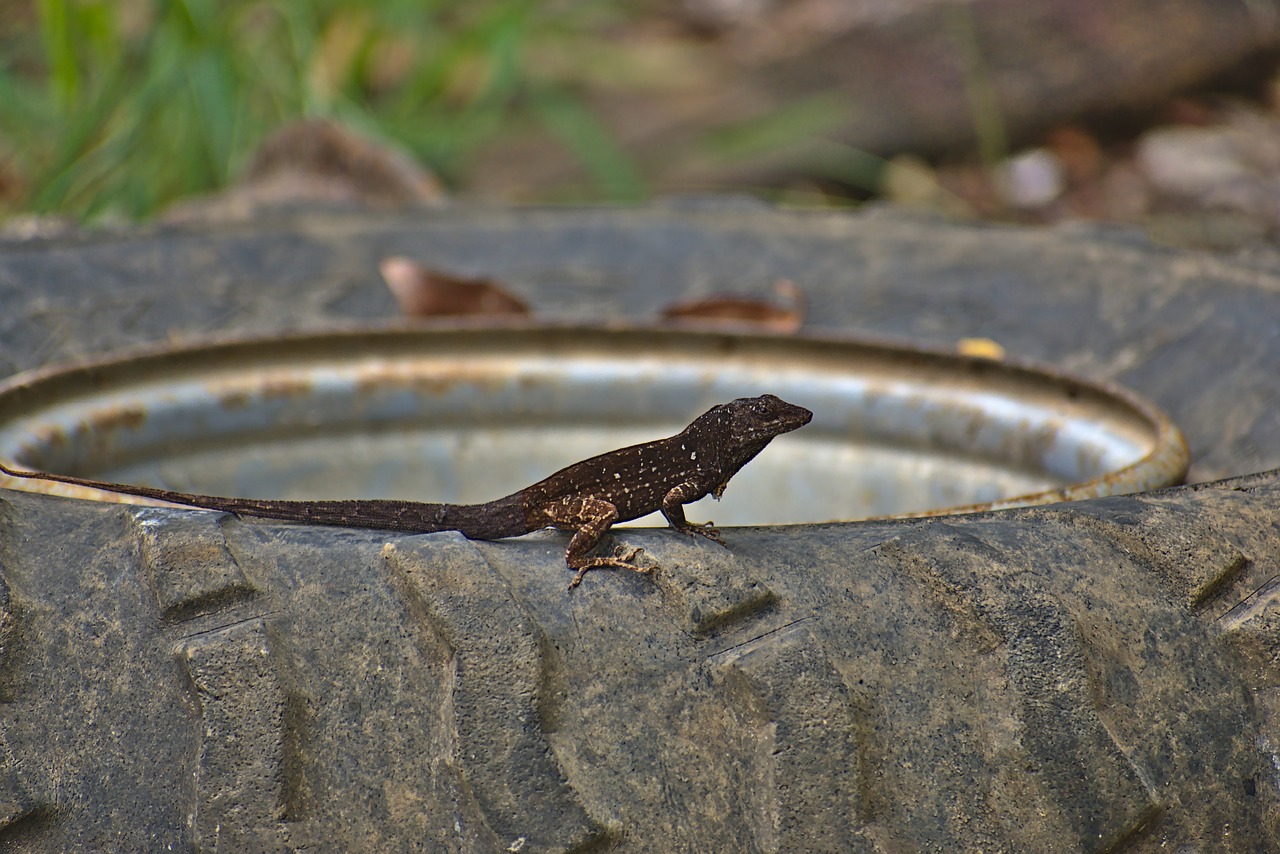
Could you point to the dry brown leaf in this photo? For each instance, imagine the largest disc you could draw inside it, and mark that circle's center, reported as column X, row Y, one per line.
column 423, row 292
column 730, row 311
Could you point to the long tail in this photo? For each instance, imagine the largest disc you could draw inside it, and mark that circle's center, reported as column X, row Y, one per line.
column 494, row 520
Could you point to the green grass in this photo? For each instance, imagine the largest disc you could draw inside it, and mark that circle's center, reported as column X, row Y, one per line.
column 114, row 109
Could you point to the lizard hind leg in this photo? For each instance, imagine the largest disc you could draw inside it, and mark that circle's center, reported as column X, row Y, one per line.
column 590, row 519
column 622, row 559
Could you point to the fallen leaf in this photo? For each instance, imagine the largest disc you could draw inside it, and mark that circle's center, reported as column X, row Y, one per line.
column 731, row 311
column 423, row 292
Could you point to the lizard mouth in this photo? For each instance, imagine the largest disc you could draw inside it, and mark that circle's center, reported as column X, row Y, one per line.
column 788, row 424
column 797, row 419
column 465, row 414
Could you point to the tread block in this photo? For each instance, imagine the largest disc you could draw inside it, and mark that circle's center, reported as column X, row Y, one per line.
column 502, row 754
column 953, row 589
column 186, row 558
column 808, row 736
column 1102, row 794
column 6, row 619
column 1252, row 628
column 247, row 777
column 1191, row 557
column 708, row 588
column 16, row 802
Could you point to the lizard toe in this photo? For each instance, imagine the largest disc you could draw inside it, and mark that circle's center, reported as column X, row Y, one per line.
column 625, row 554
column 707, row 530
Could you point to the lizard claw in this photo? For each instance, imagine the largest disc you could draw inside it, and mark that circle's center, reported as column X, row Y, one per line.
column 704, row 529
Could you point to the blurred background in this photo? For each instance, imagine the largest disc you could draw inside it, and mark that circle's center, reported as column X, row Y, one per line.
column 1160, row 113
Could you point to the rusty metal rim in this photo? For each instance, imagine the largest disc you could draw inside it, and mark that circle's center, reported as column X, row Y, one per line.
column 1166, row 463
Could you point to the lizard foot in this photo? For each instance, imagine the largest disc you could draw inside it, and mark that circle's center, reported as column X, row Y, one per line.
column 621, row 559
column 704, row 529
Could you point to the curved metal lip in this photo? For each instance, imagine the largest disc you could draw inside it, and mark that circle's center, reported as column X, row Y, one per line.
column 1165, row 465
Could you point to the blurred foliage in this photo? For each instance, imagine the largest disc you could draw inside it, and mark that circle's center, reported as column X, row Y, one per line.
column 116, row 107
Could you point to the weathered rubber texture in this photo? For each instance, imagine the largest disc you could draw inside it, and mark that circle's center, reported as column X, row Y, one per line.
column 1091, row 677
column 1103, row 676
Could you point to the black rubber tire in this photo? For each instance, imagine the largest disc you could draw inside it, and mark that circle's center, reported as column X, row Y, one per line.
column 1098, row 676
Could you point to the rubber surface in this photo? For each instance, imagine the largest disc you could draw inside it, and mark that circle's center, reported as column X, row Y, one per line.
column 1090, row 677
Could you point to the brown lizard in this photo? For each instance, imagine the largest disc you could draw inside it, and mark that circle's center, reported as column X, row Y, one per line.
column 585, row 498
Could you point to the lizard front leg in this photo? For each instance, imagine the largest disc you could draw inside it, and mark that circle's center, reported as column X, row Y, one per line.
column 673, row 508
column 589, row 519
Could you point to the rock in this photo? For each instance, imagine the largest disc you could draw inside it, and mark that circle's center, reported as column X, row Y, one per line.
column 821, row 80
column 1191, row 161
column 1033, row 179
column 1231, row 168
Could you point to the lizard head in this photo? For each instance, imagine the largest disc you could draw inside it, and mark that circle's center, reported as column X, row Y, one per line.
column 733, row 433
column 756, row 420
column 729, row 436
